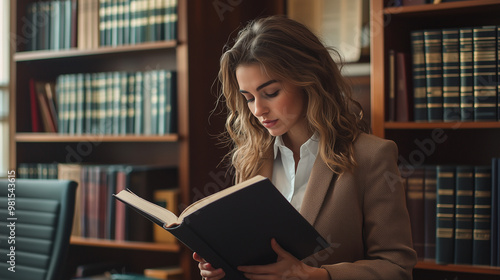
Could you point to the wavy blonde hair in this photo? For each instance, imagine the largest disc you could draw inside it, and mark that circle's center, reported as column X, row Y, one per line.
column 288, row 51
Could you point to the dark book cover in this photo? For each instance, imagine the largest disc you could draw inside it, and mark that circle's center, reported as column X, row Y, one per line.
column 403, row 88
column 485, row 73
column 466, row 78
column 418, row 69
column 248, row 217
column 495, row 225
column 451, row 74
column 445, row 214
column 434, row 74
column 464, row 211
column 481, row 247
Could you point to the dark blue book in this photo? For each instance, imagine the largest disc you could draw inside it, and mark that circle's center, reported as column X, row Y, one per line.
column 445, row 214
column 419, row 86
column 451, row 74
column 485, row 73
column 434, row 74
column 482, row 216
column 464, row 211
column 466, row 78
column 495, row 200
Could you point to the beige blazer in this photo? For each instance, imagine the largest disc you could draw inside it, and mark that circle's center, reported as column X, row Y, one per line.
column 362, row 214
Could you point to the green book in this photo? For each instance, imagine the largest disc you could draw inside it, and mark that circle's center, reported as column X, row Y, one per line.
column 161, row 101
column 89, row 95
column 485, row 73
column 451, row 74
column 434, row 74
column 80, row 103
column 139, row 112
column 466, row 75
column 130, row 103
column 123, row 83
column 419, row 85
column 154, row 101
column 464, row 211
column 445, row 214
column 482, row 216
column 415, row 205
column 117, row 93
column 72, row 93
column 101, row 103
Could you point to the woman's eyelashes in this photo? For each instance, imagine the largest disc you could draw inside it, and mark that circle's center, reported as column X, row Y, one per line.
column 250, row 98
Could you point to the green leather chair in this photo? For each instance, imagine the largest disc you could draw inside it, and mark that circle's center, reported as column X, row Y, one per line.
column 40, row 224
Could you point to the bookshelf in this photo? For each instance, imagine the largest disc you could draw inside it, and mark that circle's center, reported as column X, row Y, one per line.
column 466, row 142
column 203, row 27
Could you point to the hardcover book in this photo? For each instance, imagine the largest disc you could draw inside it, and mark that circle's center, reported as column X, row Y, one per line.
column 235, row 226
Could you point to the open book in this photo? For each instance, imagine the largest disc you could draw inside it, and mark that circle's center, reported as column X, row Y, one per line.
column 235, row 226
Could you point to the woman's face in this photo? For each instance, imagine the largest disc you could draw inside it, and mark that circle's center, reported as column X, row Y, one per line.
column 279, row 106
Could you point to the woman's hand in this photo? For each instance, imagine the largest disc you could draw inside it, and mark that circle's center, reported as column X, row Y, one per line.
column 207, row 271
column 286, row 267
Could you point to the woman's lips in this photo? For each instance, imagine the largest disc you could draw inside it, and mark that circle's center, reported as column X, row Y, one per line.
column 269, row 124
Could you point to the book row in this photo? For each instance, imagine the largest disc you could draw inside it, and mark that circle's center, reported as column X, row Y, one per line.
column 455, row 74
column 113, row 103
column 97, row 215
column 50, row 25
column 454, row 213
column 65, row 24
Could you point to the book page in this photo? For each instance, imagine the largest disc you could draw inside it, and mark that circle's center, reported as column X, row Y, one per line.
column 218, row 195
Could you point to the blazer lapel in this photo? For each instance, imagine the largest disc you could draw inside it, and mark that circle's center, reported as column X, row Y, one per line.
column 319, row 182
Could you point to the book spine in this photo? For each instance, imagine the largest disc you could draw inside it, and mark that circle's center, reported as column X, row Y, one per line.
column 415, row 204
column 109, row 119
column 147, row 93
column 495, row 200
column 419, row 84
column 402, row 88
column 139, row 113
column 482, row 216
column 116, row 93
column 72, row 92
column 451, row 75
column 445, row 214
column 434, row 74
column 88, row 103
column 154, row 102
column 391, row 102
column 80, row 106
column 123, row 102
column 131, row 103
column 498, row 72
column 430, row 213
column 485, row 73
column 466, row 75
column 464, row 212
column 161, row 101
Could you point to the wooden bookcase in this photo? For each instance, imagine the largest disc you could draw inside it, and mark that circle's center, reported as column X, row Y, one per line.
column 466, row 142
column 203, row 29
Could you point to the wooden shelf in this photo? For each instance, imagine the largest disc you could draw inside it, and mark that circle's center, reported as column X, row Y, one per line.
column 54, row 137
column 490, row 270
column 56, row 54
column 149, row 246
column 443, row 125
column 446, row 6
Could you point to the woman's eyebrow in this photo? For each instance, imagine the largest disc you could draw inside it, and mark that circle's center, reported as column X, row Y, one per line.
column 261, row 86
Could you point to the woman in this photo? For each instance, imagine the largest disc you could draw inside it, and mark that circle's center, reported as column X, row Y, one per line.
column 291, row 118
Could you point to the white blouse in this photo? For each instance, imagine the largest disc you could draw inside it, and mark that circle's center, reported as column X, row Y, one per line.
column 293, row 185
